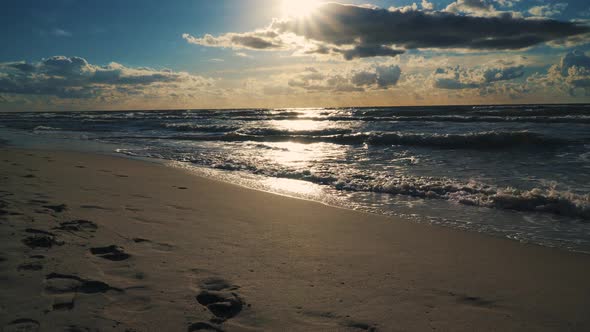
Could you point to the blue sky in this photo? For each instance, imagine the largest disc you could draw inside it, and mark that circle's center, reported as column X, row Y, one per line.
column 145, row 39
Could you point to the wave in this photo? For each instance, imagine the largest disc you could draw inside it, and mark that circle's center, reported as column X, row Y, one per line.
column 344, row 178
column 45, row 128
column 493, row 119
column 547, row 200
column 191, row 127
column 477, row 140
column 280, row 132
column 535, row 200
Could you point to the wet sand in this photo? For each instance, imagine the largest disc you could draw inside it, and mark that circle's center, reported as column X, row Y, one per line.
column 94, row 242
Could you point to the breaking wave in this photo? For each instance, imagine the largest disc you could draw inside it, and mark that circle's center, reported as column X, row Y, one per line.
column 478, row 140
column 548, row 200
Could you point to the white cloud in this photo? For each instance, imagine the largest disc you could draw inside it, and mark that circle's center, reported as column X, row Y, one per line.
column 427, row 5
column 548, row 10
column 61, row 32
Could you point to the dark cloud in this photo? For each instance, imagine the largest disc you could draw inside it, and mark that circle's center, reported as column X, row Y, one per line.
column 253, row 42
column 364, row 31
column 381, row 76
column 364, row 78
column 61, row 65
column 256, row 40
column 454, row 84
column 353, row 25
column 388, row 76
column 368, row 52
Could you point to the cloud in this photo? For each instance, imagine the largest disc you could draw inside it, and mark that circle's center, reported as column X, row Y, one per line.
column 574, row 59
column 256, row 40
column 351, row 25
column 502, row 73
column 364, row 78
column 403, row 9
column 427, row 5
column 374, row 77
column 571, row 74
column 368, row 51
column 74, row 77
column 512, row 90
column 61, row 32
column 547, row 10
column 381, row 76
column 458, row 77
column 481, row 7
column 365, row 31
column 387, row 76
column 507, row 3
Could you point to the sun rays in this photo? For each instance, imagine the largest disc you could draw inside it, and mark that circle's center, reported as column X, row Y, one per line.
column 298, row 8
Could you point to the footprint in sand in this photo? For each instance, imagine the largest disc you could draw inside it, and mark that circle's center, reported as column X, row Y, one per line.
column 93, row 207
column 165, row 247
column 64, row 288
column 476, row 301
column 473, row 300
column 30, row 267
column 39, row 231
column 41, row 241
column 341, row 321
column 57, row 283
column 56, row 208
column 202, row 326
column 22, row 325
column 112, row 253
column 79, row 225
column 218, row 297
column 361, row 326
column 63, row 306
column 38, row 201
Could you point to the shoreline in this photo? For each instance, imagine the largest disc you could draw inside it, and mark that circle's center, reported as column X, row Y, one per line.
column 536, row 213
column 285, row 262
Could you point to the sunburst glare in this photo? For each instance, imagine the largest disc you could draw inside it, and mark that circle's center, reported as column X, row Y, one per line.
column 298, row 8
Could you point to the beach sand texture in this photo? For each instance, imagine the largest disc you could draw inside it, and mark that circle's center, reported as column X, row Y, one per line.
column 97, row 243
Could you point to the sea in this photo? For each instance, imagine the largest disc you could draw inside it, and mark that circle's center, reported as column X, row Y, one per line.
column 518, row 171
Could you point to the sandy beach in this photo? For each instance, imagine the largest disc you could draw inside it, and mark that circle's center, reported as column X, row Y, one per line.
column 98, row 243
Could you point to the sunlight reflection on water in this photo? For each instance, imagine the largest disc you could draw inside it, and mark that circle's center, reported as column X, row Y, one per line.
column 292, row 187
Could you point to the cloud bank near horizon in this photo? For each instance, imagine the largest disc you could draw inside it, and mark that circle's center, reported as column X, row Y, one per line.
column 74, row 77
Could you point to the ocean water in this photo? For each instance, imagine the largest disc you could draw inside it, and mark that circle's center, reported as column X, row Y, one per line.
column 521, row 172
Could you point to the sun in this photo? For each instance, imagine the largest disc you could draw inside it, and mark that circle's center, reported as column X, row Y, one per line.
column 298, row 8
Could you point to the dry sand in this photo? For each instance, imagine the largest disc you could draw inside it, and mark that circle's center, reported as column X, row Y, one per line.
column 92, row 242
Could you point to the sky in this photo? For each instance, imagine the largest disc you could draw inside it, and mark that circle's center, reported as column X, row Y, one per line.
column 191, row 54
